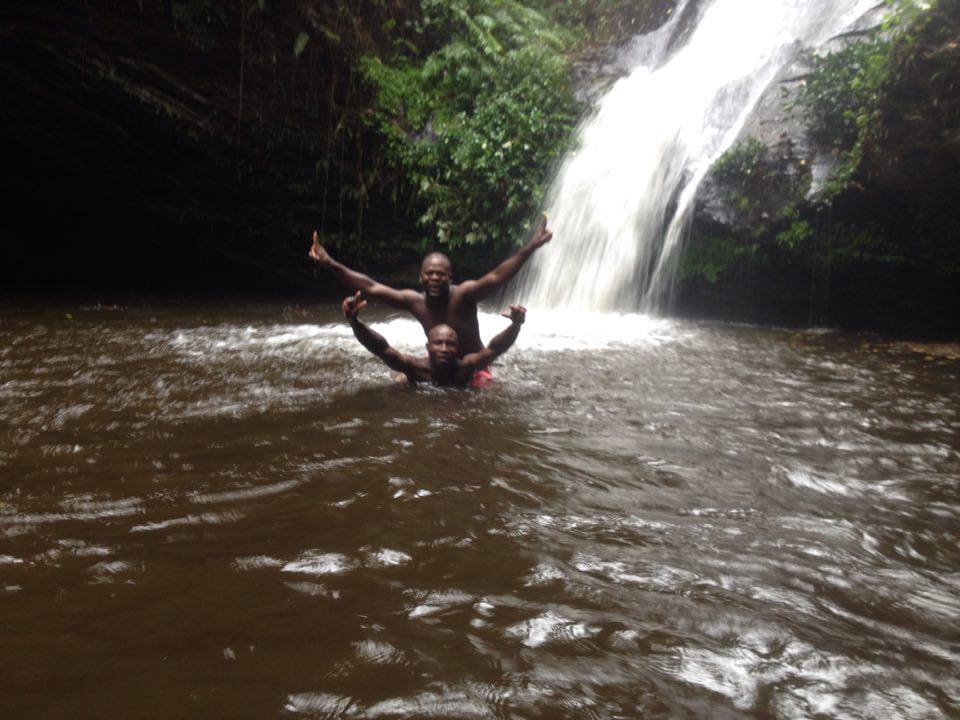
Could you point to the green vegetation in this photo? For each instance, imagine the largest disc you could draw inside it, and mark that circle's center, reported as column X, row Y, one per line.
column 796, row 236
column 741, row 172
column 474, row 104
column 759, row 186
column 742, row 160
column 844, row 94
column 445, row 115
column 710, row 257
column 473, row 125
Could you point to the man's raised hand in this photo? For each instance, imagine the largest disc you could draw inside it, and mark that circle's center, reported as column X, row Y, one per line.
column 516, row 314
column 541, row 236
column 352, row 305
column 317, row 252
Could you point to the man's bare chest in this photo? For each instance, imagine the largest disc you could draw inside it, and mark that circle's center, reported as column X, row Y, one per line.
column 454, row 313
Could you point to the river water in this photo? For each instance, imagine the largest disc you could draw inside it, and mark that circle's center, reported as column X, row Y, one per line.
column 229, row 512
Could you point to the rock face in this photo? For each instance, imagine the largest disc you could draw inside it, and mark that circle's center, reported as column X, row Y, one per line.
column 780, row 236
column 173, row 143
column 781, row 126
column 636, row 39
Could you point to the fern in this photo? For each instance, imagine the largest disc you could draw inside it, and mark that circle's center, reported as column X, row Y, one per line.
column 484, row 40
column 529, row 14
column 473, row 123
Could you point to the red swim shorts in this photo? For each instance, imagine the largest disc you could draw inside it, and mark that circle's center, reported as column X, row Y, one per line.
column 481, row 378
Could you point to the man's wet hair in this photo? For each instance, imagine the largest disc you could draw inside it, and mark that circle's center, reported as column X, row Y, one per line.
column 437, row 255
column 443, row 326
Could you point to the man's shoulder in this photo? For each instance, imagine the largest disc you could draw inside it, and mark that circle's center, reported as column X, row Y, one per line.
column 414, row 297
column 418, row 367
column 409, row 294
column 421, row 364
column 463, row 292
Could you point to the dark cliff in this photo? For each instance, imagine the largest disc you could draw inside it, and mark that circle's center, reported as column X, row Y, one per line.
column 182, row 144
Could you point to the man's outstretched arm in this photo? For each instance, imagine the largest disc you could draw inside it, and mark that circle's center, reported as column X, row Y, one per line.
column 501, row 342
column 500, row 275
column 358, row 281
column 371, row 339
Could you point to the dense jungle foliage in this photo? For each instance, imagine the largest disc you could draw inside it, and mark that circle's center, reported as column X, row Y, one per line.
column 471, row 103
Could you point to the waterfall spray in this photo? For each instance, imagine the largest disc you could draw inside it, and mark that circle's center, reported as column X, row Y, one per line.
column 623, row 198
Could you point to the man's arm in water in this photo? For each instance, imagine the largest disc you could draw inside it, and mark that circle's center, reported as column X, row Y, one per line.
column 501, row 342
column 358, row 281
column 500, row 275
column 372, row 340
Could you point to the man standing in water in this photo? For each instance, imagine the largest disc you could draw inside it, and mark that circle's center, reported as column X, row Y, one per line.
column 443, row 365
column 440, row 303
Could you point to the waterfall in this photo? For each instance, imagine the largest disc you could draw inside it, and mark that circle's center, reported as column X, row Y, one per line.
column 622, row 198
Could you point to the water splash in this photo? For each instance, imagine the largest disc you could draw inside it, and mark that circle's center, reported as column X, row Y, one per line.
column 621, row 202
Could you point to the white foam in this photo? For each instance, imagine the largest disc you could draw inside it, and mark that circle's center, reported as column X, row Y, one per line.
column 549, row 627
column 546, row 330
column 312, row 562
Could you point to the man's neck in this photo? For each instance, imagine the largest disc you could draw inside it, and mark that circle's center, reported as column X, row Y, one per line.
column 436, row 302
column 443, row 376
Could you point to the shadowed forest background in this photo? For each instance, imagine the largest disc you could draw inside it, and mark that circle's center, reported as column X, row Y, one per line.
column 170, row 146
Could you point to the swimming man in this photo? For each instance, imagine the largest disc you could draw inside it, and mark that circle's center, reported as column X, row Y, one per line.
column 440, row 303
column 444, row 364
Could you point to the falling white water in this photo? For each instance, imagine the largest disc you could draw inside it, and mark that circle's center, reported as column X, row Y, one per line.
column 620, row 202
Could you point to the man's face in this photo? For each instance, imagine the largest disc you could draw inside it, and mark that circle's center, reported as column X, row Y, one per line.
column 435, row 276
column 442, row 346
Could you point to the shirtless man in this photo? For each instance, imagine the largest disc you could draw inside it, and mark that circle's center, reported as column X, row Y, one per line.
column 443, row 365
column 440, row 302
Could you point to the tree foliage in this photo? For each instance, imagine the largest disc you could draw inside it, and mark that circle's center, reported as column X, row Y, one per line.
column 843, row 94
column 444, row 114
column 473, row 110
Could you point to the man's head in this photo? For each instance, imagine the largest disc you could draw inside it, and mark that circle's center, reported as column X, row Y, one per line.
column 443, row 347
column 436, row 274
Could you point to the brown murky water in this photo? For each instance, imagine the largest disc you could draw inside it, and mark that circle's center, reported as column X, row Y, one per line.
column 228, row 512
